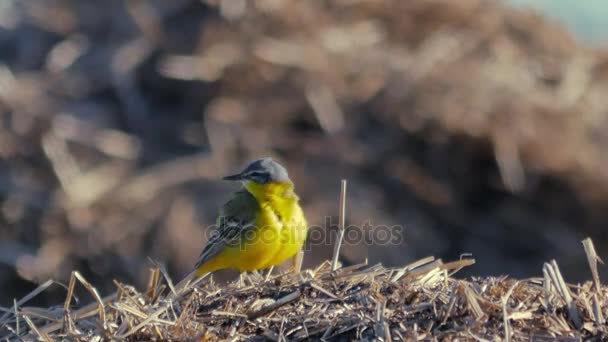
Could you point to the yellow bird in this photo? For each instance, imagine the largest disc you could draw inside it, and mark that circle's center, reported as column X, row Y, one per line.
column 262, row 225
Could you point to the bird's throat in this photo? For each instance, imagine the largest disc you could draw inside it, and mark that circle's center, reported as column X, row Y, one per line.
column 264, row 192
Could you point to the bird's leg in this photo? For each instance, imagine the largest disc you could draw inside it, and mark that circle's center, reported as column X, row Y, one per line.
column 293, row 264
column 268, row 273
column 296, row 262
column 241, row 281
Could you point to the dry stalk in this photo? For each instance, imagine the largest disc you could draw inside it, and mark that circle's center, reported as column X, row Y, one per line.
column 342, row 218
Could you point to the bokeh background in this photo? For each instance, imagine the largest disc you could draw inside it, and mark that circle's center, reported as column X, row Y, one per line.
column 479, row 126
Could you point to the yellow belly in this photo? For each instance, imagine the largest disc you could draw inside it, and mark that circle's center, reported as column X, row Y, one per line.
column 278, row 235
column 291, row 238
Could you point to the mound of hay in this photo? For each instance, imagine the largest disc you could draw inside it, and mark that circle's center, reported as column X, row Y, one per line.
column 419, row 301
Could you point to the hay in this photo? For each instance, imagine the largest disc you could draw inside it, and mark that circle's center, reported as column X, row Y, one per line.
column 416, row 302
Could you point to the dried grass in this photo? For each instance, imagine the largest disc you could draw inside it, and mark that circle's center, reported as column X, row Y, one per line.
column 419, row 301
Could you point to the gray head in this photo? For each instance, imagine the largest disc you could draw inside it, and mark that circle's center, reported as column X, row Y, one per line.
column 262, row 171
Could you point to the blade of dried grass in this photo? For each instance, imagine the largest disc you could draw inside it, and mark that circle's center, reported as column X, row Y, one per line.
column 152, row 317
column 38, row 333
column 562, row 289
column 458, row 265
column 49, row 314
column 434, row 276
column 153, row 282
column 505, row 314
column 24, row 300
column 592, row 259
column 451, row 304
column 324, row 291
column 422, row 270
column 95, row 294
column 67, row 319
column 521, row 315
column 124, row 295
column 337, row 333
column 17, row 324
column 165, row 274
column 186, row 309
column 380, row 327
column 84, row 312
column 471, row 299
column 342, row 272
column 327, row 333
column 410, row 267
column 597, row 311
column 190, row 281
column 342, row 218
column 280, row 302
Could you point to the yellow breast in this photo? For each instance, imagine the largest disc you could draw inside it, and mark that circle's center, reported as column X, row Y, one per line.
column 291, row 234
column 282, row 220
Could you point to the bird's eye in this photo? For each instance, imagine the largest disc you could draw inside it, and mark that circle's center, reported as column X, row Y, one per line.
column 259, row 177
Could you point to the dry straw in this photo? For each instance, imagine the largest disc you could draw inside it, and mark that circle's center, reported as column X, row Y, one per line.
column 419, row 301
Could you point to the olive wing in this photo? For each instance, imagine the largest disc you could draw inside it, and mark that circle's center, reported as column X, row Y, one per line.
column 237, row 216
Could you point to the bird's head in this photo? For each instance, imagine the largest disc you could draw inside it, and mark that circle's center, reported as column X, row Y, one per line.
column 263, row 172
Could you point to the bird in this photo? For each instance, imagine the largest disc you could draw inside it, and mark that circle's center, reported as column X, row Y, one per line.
column 260, row 226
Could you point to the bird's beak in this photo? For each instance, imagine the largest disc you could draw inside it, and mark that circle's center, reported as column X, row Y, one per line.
column 236, row 177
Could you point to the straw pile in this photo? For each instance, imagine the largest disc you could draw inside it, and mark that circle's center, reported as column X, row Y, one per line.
column 419, row 301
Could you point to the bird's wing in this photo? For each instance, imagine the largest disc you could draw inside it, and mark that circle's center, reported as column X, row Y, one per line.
column 236, row 216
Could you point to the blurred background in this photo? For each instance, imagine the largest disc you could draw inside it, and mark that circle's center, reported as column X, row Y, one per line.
column 479, row 126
